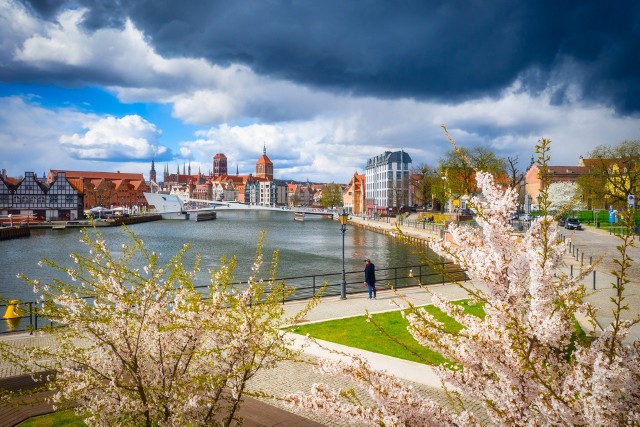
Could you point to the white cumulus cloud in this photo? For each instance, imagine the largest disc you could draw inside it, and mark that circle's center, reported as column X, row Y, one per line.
column 112, row 138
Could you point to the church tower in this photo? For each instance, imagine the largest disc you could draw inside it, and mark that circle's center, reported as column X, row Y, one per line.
column 152, row 173
column 219, row 165
column 264, row 166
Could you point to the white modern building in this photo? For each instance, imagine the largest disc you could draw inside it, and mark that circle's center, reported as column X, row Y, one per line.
column 387, row 182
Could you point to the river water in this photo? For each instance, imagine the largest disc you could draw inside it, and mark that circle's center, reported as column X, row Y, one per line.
column 305, row 248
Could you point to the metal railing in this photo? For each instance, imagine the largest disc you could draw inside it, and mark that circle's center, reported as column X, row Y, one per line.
column 305, row 288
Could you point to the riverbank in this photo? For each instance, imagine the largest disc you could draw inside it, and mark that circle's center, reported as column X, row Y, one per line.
column 24, row 230
column 7, row 233
column 413, row 231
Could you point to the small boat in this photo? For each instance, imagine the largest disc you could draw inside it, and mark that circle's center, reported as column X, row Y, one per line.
column 298, row 216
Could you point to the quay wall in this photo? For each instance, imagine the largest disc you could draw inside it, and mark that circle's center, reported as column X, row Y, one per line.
column 136, row 219
column 7, row 233
column 412, row 235
column 15, row 232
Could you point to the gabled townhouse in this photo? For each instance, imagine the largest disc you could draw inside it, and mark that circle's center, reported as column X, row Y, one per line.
column 37, row 200
column 556, row 174
column 293, row 197
column 107, row 189
column 354, row 194
column 6, row 194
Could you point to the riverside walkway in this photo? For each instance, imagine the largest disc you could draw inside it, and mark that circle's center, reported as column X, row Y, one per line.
column 292, row 377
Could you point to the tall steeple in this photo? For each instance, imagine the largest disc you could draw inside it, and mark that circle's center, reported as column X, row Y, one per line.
column 152, row 172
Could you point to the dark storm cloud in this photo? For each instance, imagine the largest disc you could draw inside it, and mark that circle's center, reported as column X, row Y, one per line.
column 449, row 50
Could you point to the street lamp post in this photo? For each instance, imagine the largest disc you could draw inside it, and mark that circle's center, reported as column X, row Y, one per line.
column 343, row 228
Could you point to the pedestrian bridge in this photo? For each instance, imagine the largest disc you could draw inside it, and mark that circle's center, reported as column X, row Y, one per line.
column 222, row 205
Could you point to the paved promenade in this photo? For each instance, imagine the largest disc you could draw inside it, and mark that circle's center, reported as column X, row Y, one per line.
column 292, row 377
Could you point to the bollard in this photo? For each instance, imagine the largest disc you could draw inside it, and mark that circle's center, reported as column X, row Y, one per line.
column 571, row 270
column 594, row 280
column 13, row 310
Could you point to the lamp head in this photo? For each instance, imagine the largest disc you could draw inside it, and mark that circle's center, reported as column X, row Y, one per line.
column 343, row 218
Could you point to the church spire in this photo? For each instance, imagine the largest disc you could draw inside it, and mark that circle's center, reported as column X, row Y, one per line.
column 152, row 172
column 264, row 148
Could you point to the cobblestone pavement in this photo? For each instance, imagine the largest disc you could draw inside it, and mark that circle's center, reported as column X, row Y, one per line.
column 594, row 243
column 290, row 377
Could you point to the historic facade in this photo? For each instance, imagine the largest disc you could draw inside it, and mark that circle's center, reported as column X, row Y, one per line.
column 264, row 166
column 39, row 200
column 219, row 165
column 107, row 189
column 354, row 194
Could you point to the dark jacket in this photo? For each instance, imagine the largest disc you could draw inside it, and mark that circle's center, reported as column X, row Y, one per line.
column 370, row 274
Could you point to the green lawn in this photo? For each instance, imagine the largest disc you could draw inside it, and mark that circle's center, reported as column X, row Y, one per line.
column 66, row 418
column 357, row 332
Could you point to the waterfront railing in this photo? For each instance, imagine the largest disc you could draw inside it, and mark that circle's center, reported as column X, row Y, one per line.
column 306, row 287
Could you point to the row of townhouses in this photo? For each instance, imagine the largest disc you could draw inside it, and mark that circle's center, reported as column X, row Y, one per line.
column 66, row 194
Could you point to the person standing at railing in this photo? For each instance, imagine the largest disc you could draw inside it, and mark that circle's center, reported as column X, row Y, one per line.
column 370, row 277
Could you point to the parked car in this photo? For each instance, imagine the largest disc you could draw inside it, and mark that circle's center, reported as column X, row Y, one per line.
column 524, row 217
column 573, row 224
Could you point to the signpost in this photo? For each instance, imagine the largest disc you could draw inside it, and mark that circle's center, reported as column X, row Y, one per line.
column 631, row 201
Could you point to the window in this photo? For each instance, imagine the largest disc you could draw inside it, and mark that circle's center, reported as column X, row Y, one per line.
column 53, row 198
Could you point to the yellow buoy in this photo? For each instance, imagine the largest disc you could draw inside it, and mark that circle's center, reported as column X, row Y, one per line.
column 13, row 310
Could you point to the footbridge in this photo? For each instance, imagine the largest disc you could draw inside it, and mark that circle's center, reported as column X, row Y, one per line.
column 217, row 204
column 222, row 205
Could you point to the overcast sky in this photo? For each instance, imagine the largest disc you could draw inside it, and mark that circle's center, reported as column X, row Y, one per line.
column 324, row 85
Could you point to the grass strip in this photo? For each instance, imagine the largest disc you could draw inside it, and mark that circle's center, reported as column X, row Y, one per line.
column 358, row 333
column 66, row 418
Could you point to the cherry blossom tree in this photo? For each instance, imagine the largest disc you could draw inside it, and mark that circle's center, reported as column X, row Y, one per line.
column 561, row 195
column 522, row 360
column 138, row 344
